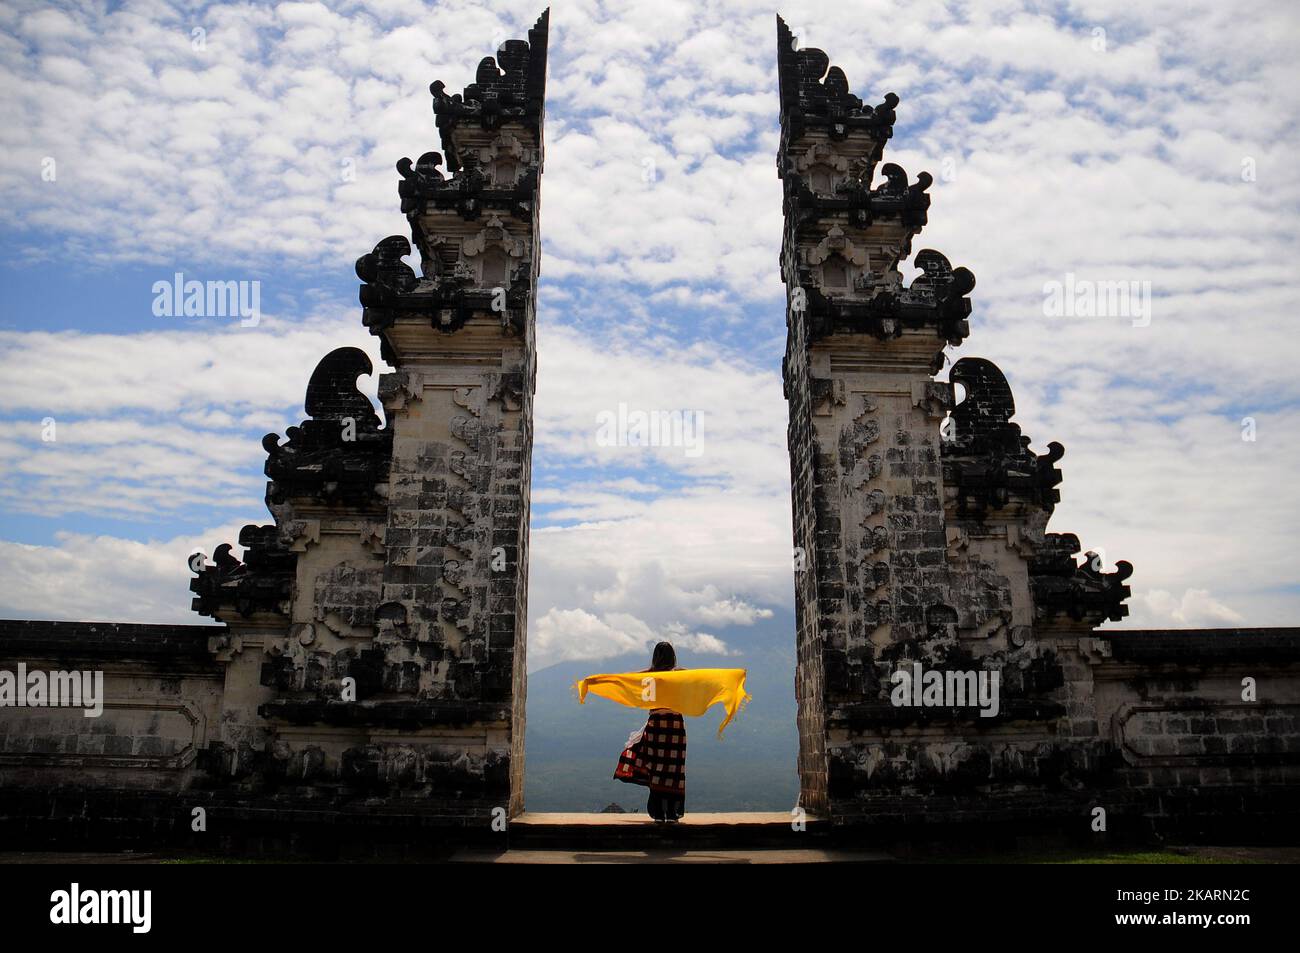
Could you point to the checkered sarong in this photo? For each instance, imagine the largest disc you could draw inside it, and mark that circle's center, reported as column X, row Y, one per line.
column 655, row 756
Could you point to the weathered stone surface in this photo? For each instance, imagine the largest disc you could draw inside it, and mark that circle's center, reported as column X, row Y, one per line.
column 369, row 674
column 162, row 694
column 389, row 597
column 919, row 527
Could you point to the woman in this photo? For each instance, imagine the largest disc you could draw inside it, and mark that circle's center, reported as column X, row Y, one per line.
column 655, row 756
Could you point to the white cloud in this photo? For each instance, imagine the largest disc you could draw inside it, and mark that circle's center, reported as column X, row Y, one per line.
column 170, row 423
column 102, row 578
column 1195, row 609
column 566, row 634
column 1050, row 157
column 731, row 612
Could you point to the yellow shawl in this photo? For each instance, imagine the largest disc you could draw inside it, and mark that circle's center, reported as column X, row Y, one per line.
column 689, row 691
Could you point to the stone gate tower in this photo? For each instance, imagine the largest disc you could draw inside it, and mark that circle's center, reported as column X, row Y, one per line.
column 376, row 631
column 368, row 683
column 912, row 545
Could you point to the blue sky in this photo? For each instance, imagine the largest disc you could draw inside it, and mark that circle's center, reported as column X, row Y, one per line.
column 263, row 147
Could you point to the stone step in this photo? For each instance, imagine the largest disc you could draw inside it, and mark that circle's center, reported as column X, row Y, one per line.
column 740, row 830
column 666, row 855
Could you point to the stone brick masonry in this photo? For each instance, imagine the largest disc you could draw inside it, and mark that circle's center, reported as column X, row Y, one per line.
column 920, row 537
column 372, row 656
column 368, row 675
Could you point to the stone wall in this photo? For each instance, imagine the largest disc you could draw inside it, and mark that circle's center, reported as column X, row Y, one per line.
column 371, row 657
column 368, row 678
column 162, row 697
column 387, row 657
column 1206, row 725
column 1150, row 726
column 920, row 533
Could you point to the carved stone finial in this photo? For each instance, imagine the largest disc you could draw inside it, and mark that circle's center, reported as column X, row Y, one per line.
column 508, row 88
column 1082, row 592
column 987, row 460
column 384, row 266
column 815, row 94
column 332, row 391
column 263, row 582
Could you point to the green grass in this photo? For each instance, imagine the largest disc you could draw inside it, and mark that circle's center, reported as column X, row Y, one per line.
column 1067, row 855
column 221, row 860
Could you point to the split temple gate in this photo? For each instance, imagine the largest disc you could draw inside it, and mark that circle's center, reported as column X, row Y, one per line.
column 368, row 675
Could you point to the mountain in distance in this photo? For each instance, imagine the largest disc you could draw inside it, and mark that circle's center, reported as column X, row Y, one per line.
column 572, row 749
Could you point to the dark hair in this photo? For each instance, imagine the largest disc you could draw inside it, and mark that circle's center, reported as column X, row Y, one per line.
column 664, row 658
